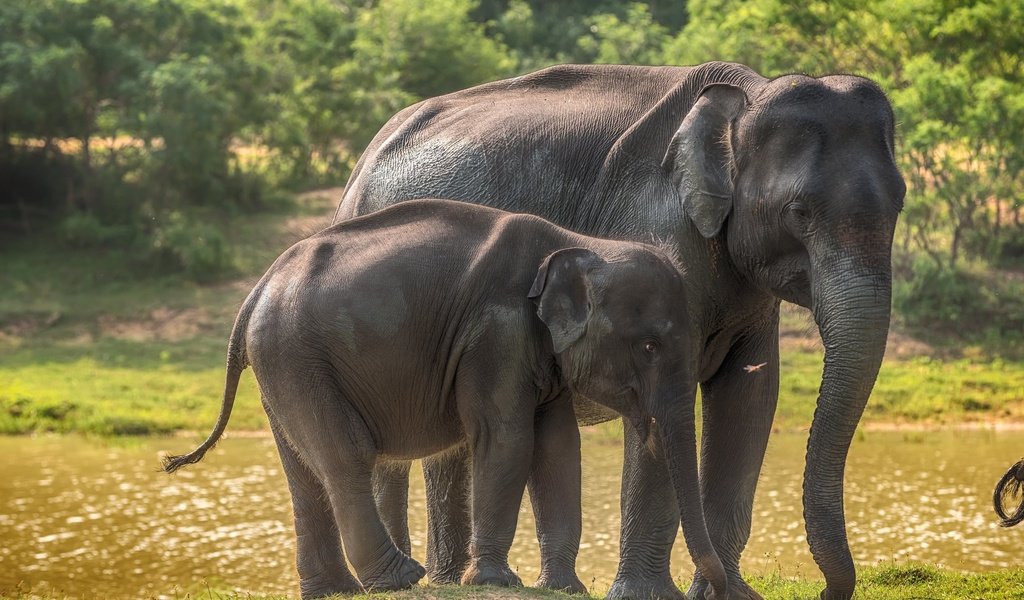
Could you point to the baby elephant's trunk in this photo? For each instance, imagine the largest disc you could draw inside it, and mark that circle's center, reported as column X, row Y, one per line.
column 1009, row 490
column 236, row 363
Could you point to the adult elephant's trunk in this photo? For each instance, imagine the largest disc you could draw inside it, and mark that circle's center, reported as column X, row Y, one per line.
column 676, row 426
column 851, row 305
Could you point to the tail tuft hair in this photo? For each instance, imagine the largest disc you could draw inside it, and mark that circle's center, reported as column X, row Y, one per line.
column 172, row 463
column 1010, row 491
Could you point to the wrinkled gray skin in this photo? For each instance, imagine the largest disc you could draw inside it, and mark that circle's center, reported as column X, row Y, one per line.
column 436, row 324
column 772, row 189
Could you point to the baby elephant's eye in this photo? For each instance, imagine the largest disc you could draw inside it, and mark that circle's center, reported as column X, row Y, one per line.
column 650, row 347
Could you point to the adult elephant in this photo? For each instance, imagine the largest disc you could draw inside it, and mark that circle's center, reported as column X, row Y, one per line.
column 772, row 189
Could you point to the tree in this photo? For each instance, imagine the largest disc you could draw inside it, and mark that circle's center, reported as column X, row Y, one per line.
column 406, row 50
column 636, row 40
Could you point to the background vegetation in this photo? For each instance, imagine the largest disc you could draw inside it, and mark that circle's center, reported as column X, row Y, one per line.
column 130, row 126
column 150, row 151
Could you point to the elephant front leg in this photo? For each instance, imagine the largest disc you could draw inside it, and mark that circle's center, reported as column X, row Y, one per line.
column 501, row 465
column 554, row 486
column 650, row 520
column 739, row 407
column 448, row 528
column 496, row 403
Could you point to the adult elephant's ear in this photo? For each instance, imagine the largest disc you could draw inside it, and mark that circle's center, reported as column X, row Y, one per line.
column 562, row 292
column 699, row 160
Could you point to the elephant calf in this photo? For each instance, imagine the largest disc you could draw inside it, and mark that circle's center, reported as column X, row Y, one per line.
column 433, row 324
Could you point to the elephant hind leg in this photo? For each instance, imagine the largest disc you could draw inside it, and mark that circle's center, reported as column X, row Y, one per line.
column 381, row 566
column 319, row 557
column 391, row 492
column 340, row 451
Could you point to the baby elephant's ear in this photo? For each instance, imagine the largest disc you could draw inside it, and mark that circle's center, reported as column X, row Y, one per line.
column 561, row 289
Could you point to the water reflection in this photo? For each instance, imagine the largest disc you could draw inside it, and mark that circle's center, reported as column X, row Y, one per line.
column 80, row 516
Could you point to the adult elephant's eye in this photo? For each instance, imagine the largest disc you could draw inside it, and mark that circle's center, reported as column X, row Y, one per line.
column 650, row 348
column 798, row 210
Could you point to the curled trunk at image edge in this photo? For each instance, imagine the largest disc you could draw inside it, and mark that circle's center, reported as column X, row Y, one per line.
column 1009, row 491
column 852, row 313
column 680, row 444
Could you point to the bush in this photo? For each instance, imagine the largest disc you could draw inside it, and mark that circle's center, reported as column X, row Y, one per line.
column 933, row 295
column 973, row 305
column 33, row 184
column 84, row 230
column 1010, row 253
column 198, row 249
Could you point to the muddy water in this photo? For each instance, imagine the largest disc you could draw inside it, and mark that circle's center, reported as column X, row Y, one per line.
column 86, row 517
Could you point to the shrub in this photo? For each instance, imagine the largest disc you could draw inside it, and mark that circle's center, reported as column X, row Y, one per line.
column 933, row 295
column 973, row 305
column 84, row 230
column 198, row 249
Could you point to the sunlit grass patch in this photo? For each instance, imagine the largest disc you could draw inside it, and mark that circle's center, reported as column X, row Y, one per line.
column 118, row 397
column 892, row 582
column 915, row 390
column 904, row 582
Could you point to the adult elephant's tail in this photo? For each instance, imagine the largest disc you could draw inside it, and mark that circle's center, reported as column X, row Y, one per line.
column 237, row 361
column 1010, row 489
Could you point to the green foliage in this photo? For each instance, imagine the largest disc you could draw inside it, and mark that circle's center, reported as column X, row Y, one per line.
column 195, row 247
column 84, row 230
column 984, row 306
column 407, row 50
column 637, row 39
column 115, row 114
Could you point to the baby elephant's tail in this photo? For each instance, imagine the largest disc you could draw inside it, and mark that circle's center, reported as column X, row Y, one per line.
column 236, row 363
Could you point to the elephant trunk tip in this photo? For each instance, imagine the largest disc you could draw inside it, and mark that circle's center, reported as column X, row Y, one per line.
column 1010, row 491
column 711, row 567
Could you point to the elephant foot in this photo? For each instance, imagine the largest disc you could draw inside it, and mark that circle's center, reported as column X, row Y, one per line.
column 448, row 573
column 561, row 581
column 651, row 587
column 490, row 573
column 738, row 590
column 403, row 573
column 320, row 587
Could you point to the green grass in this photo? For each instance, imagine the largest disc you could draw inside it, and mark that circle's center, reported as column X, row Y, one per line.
column 91, row 342
column 904, row 582
column 914, row 390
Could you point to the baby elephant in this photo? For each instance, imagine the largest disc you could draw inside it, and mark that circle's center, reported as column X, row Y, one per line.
column 433, row 323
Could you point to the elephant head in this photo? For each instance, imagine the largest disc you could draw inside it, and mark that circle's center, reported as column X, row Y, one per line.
column 1010, row 487
column 622, row 338
column 799, row 183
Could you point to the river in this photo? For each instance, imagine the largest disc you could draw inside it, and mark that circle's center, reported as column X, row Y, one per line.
column 87, row 517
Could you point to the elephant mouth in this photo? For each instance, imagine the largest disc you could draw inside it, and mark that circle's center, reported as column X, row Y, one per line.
column 642, row 425
column 796, row 289
column 624, row 403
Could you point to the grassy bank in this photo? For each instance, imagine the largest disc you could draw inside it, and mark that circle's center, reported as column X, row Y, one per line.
column 878, row 583
column 91, row 343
